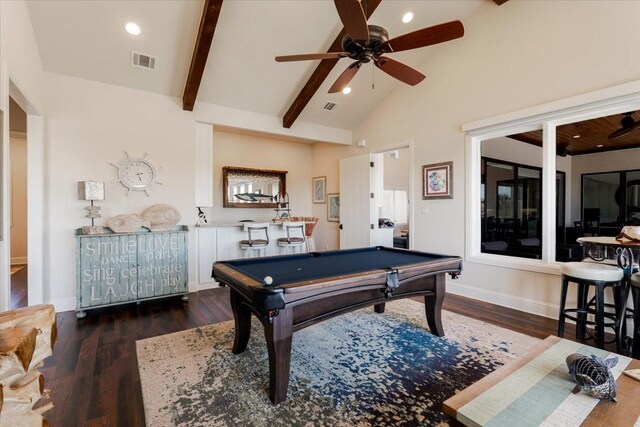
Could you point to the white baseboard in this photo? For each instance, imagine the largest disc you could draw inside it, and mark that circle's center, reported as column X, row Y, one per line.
column 211, row 285
column 18, row 260
column 526, row 305
column 63, row 304
column 195, row 286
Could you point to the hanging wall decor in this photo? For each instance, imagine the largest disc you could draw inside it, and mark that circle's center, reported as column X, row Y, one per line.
column 319, row 189
column 333, row 207
column 437, row 181
column 137, row 173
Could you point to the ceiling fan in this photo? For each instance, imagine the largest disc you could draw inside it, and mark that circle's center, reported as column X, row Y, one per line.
column 365, row 43
column 628, row 125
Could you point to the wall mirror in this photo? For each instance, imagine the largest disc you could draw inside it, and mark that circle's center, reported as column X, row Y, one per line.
column 251, row 188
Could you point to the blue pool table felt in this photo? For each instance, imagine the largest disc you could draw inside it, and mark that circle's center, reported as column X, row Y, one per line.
column 303, row 267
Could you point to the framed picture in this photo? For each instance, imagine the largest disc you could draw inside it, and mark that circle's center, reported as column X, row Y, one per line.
column 320, row 189
column 333, row 207
column 437, row 181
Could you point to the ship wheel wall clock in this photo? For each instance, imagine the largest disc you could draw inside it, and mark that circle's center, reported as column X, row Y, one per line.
column 137, row 173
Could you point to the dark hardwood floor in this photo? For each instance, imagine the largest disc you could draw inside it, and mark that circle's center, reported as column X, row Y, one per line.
column 19, row 288
column 93, row 373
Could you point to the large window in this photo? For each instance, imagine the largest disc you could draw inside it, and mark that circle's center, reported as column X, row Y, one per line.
column 527, row 202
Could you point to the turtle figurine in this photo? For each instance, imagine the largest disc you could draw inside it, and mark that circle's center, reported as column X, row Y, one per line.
column 593, row 375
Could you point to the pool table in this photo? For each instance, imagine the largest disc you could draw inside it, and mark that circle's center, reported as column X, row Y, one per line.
column 289, row 293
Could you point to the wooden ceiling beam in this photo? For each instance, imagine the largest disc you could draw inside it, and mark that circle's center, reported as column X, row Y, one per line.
column 321, row 72
column 208, row 23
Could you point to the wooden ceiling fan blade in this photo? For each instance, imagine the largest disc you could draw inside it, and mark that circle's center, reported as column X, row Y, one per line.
column 311, row 56
column 344, row 79
column 426, row 37
column 398, row 70
column 353, row 18
column 624, row 130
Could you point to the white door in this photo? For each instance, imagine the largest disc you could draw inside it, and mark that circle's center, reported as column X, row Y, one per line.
column 356, row 204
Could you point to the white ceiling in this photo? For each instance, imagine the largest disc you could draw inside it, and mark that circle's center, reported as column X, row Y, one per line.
column 86, row 39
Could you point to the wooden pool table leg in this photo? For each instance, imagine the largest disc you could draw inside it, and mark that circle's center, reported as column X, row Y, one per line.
column 278, row 335
column 379, row 308
column 433, row 306
column 242, row 317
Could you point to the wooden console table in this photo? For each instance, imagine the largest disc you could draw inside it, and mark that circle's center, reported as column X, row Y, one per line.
column 536, row 389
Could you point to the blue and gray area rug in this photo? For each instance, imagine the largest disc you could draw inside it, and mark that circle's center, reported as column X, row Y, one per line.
column 359, row 369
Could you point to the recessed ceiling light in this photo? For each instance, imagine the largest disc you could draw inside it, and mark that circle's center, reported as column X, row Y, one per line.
column 600, row 145
column 132, row 28
column 346, row 90
column 407, row 17
column 576, row 136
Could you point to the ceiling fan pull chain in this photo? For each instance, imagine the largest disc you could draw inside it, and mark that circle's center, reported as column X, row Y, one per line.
column 373, row 78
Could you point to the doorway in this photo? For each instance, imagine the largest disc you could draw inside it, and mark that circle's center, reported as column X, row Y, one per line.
column 18, row 203
column 393, row 196
column 366, row 219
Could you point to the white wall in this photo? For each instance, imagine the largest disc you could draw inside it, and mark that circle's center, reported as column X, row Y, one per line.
column 89, row 126
column 18, row 217
column 20, row 62
column 233, row 149
column 521, row 54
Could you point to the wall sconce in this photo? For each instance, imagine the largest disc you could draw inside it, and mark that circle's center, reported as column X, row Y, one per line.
column 91, row 191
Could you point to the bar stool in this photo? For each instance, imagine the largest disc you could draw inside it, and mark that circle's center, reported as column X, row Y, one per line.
column 255, row 241
column 309, row 224
column 292, row 241
column 634, row 281
column 586, row 274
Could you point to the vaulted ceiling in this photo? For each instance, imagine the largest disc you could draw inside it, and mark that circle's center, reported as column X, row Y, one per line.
column 87, row 39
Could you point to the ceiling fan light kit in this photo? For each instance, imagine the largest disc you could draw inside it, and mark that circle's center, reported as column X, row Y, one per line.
column 369, row 43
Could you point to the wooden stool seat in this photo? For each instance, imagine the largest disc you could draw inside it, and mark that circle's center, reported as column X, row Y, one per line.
column 254, row 243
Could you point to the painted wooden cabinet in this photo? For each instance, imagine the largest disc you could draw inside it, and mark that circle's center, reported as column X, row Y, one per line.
column 119, row 268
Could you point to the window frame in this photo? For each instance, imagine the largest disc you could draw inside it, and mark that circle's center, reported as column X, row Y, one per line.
column 614, row 100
